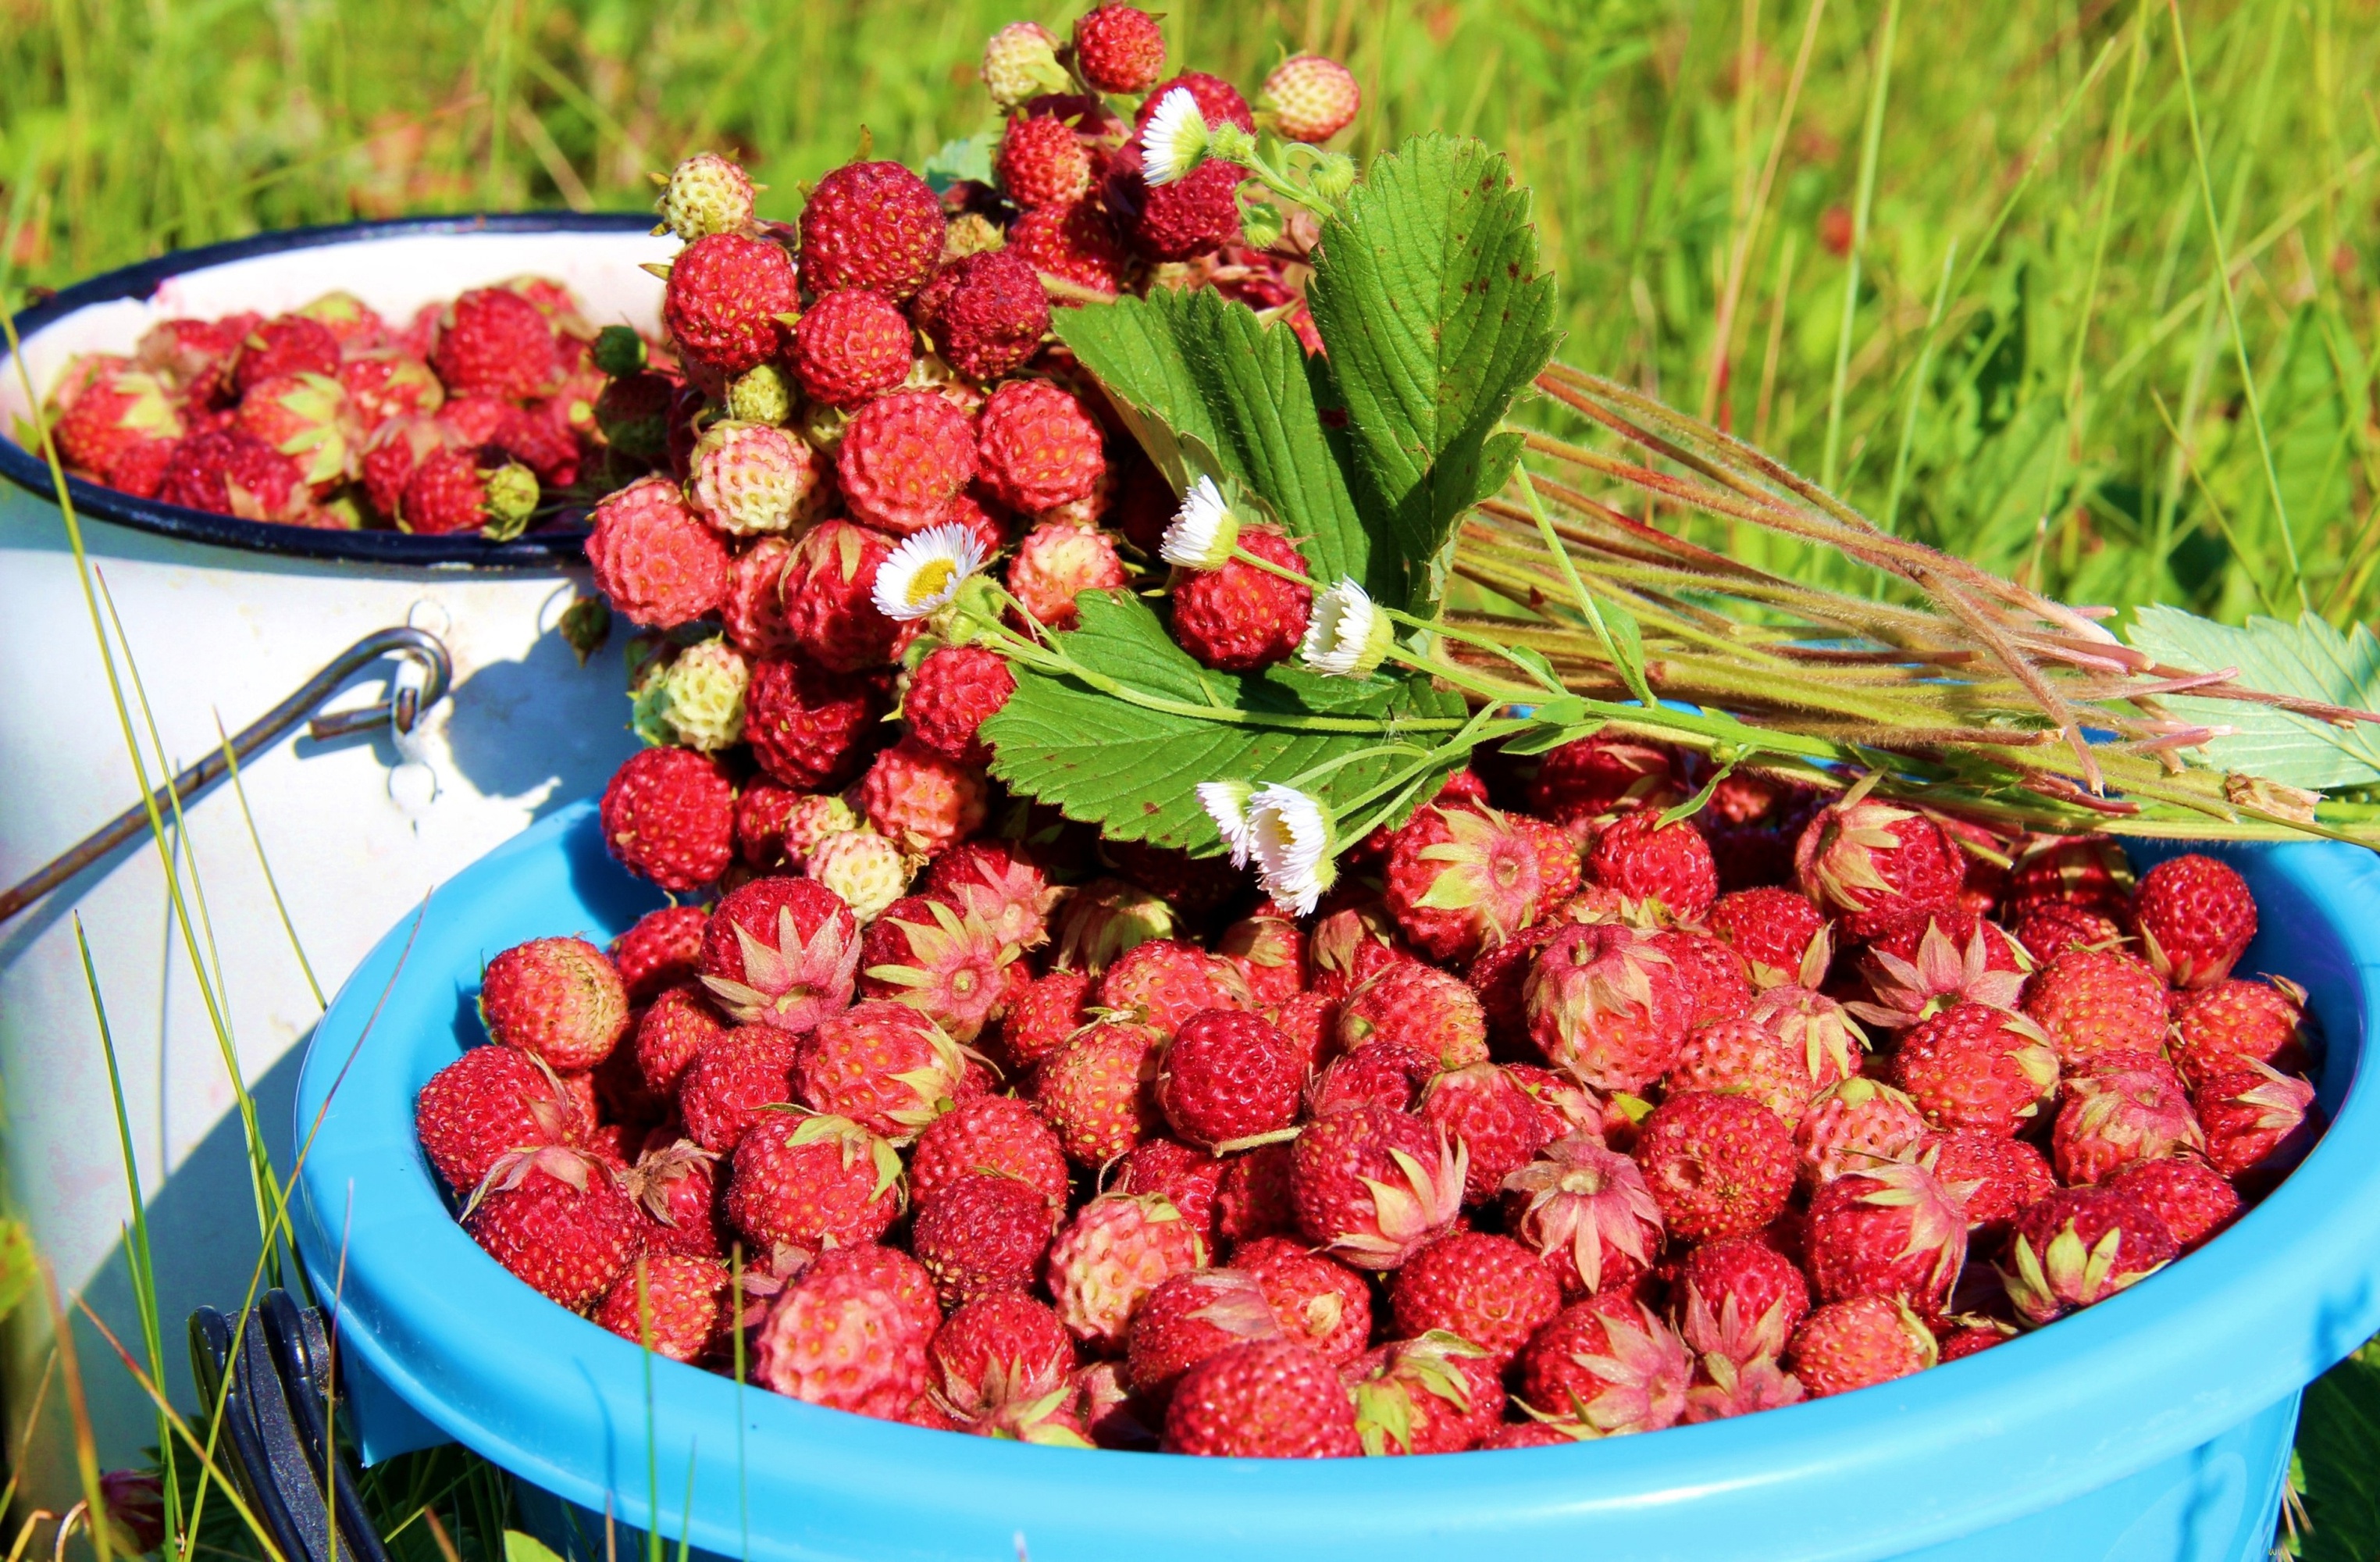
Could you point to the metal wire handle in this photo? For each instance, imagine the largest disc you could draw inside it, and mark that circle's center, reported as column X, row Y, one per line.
column 404, row 708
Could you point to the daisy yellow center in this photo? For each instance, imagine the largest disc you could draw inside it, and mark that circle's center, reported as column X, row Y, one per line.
column 933, row 578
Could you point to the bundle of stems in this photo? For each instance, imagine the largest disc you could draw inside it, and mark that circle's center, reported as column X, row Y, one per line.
column 1980, row 696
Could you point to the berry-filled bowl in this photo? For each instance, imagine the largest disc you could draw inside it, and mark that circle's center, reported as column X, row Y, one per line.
column 2154, row 1424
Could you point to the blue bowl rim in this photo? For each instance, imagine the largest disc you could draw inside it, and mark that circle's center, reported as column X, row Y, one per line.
column 1970, row 1444
column 560, row 541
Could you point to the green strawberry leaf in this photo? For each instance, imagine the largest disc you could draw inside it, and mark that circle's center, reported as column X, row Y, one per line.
column 2309, row 660
column 1427, row 295
column 2338, row 1449
column 960, row 161
column 1133, row 771
column 1205, row 381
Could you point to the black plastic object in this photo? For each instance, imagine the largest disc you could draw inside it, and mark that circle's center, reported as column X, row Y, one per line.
column 273, row 1378
column 560, row 541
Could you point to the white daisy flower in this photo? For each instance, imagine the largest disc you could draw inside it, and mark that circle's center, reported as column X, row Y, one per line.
column 1293, row 840
column 1346, row 635
column 1226, row 803
column 1203, row 531
column 1174, row 142
column 925, row 571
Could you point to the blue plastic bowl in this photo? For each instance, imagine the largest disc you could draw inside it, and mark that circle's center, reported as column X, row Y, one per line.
column 2156, row 1426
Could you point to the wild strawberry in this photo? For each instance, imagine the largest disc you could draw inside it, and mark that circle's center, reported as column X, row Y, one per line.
column 1501, row 978
column 1021, row 62
column 1852, row 1123
column 2195, row 1202
column 1216, row 99
column 1040, row 448
column 809, row 728
column 1311, row 98
column 1591, row 776
column 675, row 1302
column 851, row 344
column 1975, row 1066
column 291, row 344
column 723, row 301
column 706, row 194
column 673, row 1031
column 1239, row 618
column 1118, row 1248
column 1226, row 1075
column 1044, row 1016
column 1187, row 1177
column 1886, row 1229
column 1097, row 1090
column 2047, row 929
column 1461, row 880
column 2223, row 1027
column 659, row 950
column 121, row 418
column 920, row 801
column 870, row 225
column 2091, row 872
column 1745, row 1057
column 1429, row 1010
column 384, row 383
column 1388, row 1074
column 812, row 1182
column 493, row 342
column 947, row 964
column 748, row 478
column 1869, row 861
column 1348, row 946
column 2079, row 1246
column 996, row 1350
column 1076, row 243
column 763, row 810
column 1267, row 947
column 851, row 1333
column 950, row 694
column 987, row 313
column 2195, row 919
column 556, row 997
column 1717, row 1166
column 867, row 871
column 2093, row 1001
column 826, row 589
column 1930, row 959
column 488, row 1102
column 677, row 1185
column 1639, row 857
column 1054, row 563
column 1716, row 986
column 1501, row 1122
column 1725, row 1387
column 1041, row 161
column 781, row 951
column 2257, row 1120
column 1256, row 1197
column 1999, row 1177
column 1606, row 1362
column 884, row 1065
column 1118, row 48
column 988, row 1135
column 753, row 610
column 1163, row 983
column 1372, row 1184
column 1262, row 1399
column 1860, row 1342
column 669, row 815
column 809, row 821
column 453, row 491
column 1488, row 1290
column 1740, row 1299
column 1189, row 1318
column 1435, row 1394
column 1960, row 1343
column 1606, row 1003
column 982, row 1234
column 731, row 1083
column 904, row 459
column 1319, row 1302
column 1559, row 870
column 556, row 1217
column 2122, row 1108
column 653, row 557
column 229, row 473
column 999, row 882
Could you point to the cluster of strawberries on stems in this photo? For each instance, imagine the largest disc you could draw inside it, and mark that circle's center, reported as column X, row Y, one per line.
column 1605, row 1092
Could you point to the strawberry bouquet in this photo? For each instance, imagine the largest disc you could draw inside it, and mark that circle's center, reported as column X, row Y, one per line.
column 1237, row 897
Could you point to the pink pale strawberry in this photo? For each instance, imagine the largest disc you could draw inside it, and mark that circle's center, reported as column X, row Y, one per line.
column 1586, row 1211
column 1372, row 1184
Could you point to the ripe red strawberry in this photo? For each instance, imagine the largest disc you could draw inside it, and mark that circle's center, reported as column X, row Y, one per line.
column 1349, row 945
column 764, row 812
column 1041, row 161
column 384, row 383
column 659, row 950
column 229, row 473
column 1118, row 1248
column 870, row 225
column 1218, row 101
column 1588, row 777
column 920, row 801
column 851, row 344
column 675, row 1302
column 653, row 557
column 1888, row 1229
column 985, row 1135
column 1717, row 1166
column 826, row 589
column 2049, row 928
column 1226, row 1075
column 669, row 815
column 2079, row 1246
column 2093, row 1001
column 1096, row 1092
column 1189, row 1318
column 2000, row 1176
column 1040, row 448
column 2195, row 919
column 1267, row 947
column 1975, row 1066
column 1927, row 960
column 1056, row 562
column 1239, row 618
column 731, row 1083
column 2122, row 1108
column 1041, row 1017
column 1869, row 861
column 1163, row 982
column 2223, row 1027
column 1745, row 1057
column 1860, row 1342
column 557, row 1218
column 2195, row 1202
column 851, row 1333
column 1076, row 243
column 813, row 1181
column 1461, row 880
column 1671, row 866
column 724, row 298
column 1608, row 1362
column 982, row 1234
column 1187, row 1177
column 2090, row 872
column 1501, row 978
column 1501, row 1114
column 1960, row 1343
column 455, row 490
column 1429, row 1010
column 1739, row 1299
column 809, row 728
column 493, row 342
column 676, row 1182
column 997, row 1350
column 1118, row 48
column 1853, row 1123
column 1559, row 870
column 999, row 882
column 556, row 997
column 952, row 694
column 1312, row 98
column 1372, row 1184
column 904, row 459
column 781, row 951
column 1716, row 986
column 2257, row 1119
column 1319, row 1302
column 288, row 344
column 948, row 964
column 1436, row 1393
column 1606, row 1003
column 1488, row 1290
column 1263, row 1399
column 490, row 1101
column 1257, row 1197
column 884, row 1065
column 987, row 314
column 119, row 415
column 1387, row 1074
